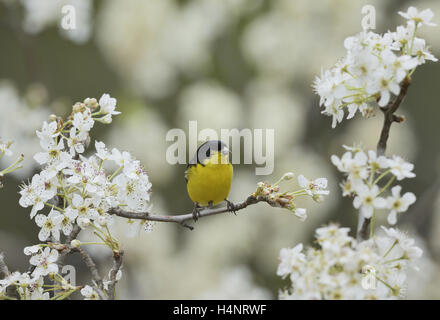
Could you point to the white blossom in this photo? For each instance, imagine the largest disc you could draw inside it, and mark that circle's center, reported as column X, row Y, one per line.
column 108, row 104
column 313, row 187
column 400, row 168
column 397, row 203
column 5, row 148
column 50, row 225
column 367, row 200
column 45, row 262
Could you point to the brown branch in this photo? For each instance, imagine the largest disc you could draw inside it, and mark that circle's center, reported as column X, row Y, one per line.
column 73, row 234
column 91, row 265
column 88, row 261
column 182, row 218
column 117, row 263
column 389, row 118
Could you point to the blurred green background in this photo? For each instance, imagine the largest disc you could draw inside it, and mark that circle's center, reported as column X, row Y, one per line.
column 227, row 64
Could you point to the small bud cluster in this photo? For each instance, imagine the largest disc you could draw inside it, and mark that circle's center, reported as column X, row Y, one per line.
column 315, row 189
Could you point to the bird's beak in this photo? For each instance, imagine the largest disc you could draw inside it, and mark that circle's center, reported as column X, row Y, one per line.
column 225, row 151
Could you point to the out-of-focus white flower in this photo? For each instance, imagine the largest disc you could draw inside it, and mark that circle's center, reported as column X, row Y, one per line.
column 290, row 259
column 405, row 244
column 273, row 105
column 237, row 284
column 419, row 17
column 4, row 148
column 422, row 52
column 39, row 15
column 153, row 41
column 200, row 100
column 21, row 133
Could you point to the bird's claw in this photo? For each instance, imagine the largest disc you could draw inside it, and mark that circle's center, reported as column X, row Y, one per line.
column 196, row 213
column 231, row 206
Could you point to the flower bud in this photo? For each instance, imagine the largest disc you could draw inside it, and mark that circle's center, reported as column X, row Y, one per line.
column 288, row 176
column 91, row 103
column 75, row 243
column 78, row 107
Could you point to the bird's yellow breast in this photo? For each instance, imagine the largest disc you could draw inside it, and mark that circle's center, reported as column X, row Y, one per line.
column 210, row 182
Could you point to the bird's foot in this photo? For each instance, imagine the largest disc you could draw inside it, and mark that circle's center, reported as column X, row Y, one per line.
column 196, row 212
column 231, row 206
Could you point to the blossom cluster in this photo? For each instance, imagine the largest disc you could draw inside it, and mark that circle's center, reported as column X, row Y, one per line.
column 374, row 68
column 30, row 285
column 77, row 191
column 342, row 268
column 365, row 171
column 315, row 189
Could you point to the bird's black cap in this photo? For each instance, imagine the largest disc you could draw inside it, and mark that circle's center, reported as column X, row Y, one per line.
column 205, row 151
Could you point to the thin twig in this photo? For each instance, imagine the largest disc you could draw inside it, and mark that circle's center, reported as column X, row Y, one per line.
column 182, row 218
column 389, row 117
column 73, row 234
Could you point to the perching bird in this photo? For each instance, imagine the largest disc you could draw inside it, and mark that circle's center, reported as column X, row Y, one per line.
column 209, row 176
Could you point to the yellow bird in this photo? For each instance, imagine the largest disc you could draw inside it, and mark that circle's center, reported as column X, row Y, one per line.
column 209, row 176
